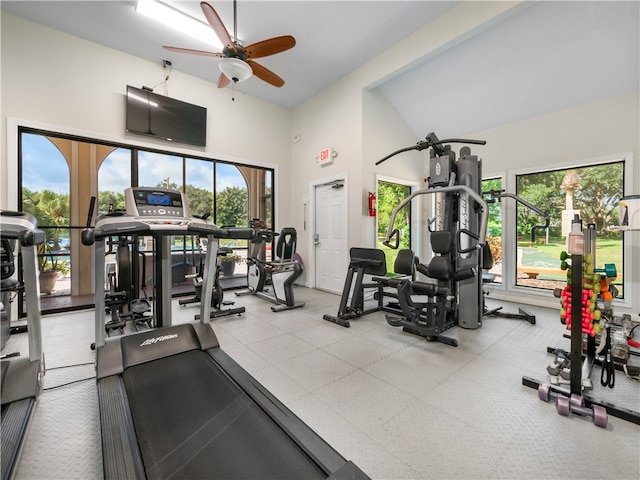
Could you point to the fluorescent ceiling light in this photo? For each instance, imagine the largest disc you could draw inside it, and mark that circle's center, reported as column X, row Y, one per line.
column 173, row 18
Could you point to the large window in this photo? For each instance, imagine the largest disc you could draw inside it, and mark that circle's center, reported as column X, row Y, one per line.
column 232, row 197
column 199, row 186
column 592, row 192
column 159, row 170
column 494, row 227
column 59, row 198
column 45, row 195
column 390, row 194
column 114, row 176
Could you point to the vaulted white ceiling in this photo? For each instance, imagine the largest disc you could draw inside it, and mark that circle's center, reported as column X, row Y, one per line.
column 544, row 57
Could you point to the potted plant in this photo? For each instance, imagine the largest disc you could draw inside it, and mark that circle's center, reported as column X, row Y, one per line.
column 228, row 263
column 50, row 267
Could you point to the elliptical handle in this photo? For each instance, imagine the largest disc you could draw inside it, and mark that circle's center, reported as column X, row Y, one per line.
column 92, row 206
column 87, row 236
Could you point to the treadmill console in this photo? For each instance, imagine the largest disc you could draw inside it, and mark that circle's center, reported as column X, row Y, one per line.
column 15, row 222
column 156, row 202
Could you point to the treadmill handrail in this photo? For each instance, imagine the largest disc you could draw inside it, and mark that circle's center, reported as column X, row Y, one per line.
column 125, row 225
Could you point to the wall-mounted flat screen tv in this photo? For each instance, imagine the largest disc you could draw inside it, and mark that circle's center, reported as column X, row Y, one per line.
column 165, row 118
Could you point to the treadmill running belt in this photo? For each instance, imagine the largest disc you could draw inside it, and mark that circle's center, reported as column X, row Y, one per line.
column 192, row 421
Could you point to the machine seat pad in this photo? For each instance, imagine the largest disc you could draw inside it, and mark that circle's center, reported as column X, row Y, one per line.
column 405, row 262
column 372, row 259
column 439, row 268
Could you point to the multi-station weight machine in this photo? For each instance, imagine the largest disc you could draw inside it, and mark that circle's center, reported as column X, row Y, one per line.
column 457, row 236
column 458, row 240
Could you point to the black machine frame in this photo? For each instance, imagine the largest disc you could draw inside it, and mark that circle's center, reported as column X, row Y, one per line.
column 281, row 272
column 362, row 261
column 458, row 240
column 460, row 209
column 218, row 303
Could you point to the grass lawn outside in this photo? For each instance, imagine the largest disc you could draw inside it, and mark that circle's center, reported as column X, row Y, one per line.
column 607, row 250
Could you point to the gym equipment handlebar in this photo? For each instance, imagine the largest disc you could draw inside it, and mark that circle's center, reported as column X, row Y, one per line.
column 499, row 194
column 393, row 232
column 431, row 141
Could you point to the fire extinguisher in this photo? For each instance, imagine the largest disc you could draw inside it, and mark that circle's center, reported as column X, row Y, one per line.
column 372, row 204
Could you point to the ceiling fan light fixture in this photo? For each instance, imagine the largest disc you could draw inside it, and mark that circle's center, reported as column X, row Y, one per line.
column 235, row 69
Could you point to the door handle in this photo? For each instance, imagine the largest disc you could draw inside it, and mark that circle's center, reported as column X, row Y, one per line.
column 316, row 239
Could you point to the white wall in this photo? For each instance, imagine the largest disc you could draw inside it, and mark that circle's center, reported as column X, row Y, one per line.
column 344, row 116
column 384, row 132
column 603, row 129
column 362, row 129
column 71, row 85
column 76, row 86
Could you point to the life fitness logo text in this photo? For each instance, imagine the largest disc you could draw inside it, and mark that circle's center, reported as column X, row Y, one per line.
column 162, row 338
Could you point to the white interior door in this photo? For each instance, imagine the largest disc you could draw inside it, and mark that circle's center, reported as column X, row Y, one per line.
column 330, row 235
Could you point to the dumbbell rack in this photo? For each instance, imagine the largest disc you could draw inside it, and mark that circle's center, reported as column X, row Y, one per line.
column 577, row 358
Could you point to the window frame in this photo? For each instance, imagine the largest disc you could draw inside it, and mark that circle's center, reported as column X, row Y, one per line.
column 16, row 128
column 502, row 285
column 509, row 225
column 414, row 225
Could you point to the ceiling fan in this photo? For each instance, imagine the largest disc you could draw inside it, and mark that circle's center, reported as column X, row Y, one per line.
column 238, row 64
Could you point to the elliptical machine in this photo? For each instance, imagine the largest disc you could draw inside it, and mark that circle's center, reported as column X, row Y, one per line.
column 282, row 272
column 217, row 294
column 122, row 280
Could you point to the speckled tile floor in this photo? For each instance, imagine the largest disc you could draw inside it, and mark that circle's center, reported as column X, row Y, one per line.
column 398, row 406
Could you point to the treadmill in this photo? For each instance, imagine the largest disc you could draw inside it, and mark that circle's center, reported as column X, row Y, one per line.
column 172, row 403
column 21, row 377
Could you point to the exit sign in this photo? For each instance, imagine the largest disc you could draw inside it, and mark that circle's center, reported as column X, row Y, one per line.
column 325, row 156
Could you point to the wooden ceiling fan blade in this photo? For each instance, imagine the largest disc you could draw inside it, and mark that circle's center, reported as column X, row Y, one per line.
column 193, row 52
column 218, row 27
column 223, row 81
column 265, row 74
column 270, row 46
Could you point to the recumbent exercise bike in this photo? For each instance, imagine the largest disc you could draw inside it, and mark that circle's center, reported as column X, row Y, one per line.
column 282, row 272
column 217, row 293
